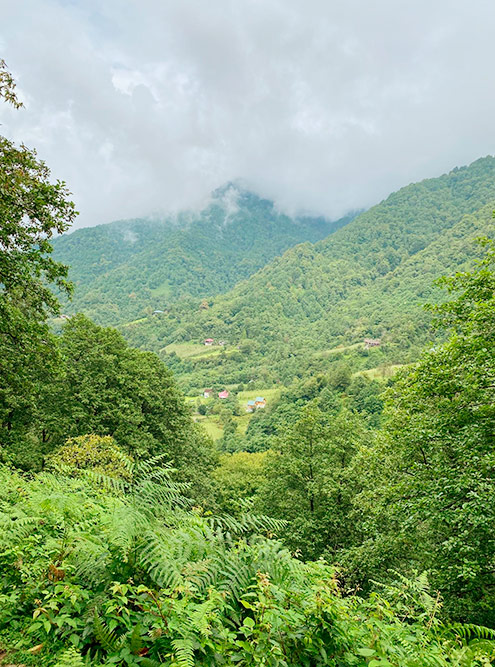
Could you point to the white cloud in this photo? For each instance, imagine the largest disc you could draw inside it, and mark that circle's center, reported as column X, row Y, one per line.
column 146, row 106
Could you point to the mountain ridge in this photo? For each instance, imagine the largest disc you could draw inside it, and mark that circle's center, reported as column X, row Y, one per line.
column 367, row 278
column 125, row 267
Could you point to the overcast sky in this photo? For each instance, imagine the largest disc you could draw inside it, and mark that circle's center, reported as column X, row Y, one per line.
column 145, row 106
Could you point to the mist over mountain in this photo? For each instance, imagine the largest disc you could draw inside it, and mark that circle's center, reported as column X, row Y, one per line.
column 369, row 278
column 123, row 269
column 259, row 431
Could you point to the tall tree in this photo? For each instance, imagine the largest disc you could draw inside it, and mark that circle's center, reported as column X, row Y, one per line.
column 32, row 210
column 307, row 480
column 433, row 507
column 107, row 388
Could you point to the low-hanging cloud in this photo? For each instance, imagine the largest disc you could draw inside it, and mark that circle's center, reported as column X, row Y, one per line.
column 145, row 106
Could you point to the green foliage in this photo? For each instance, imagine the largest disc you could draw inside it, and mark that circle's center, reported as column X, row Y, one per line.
column 8, row 86
column 128, row 269
column 95, row 576
column 238, row 478
column 105, row 388
column 429, row 484
column 94, row 452
column 307, row 481
column 32, row 211
column 70, row 658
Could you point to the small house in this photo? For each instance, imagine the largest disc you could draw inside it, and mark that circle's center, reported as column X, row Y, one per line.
column 251, row 406
column 259, row 402
column 208, row 341
column 371, row 342
column 207, row 393
column 158, row 312
column 223, row 394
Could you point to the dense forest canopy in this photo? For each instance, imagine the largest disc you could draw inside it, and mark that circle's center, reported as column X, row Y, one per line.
column 125, row 270
column 368, row 279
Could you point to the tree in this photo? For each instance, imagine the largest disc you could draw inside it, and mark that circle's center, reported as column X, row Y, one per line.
column 237, row 479
column 433, row 502
column 110, row 389
column 91, row 452
column 32, row 210
column 307, row 481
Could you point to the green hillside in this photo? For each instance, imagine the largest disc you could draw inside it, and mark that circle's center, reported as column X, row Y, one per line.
column 124, row 269
column 370, row 278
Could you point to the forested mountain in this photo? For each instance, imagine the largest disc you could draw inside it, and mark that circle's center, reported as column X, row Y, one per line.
column 368, row 279
column 124, row 268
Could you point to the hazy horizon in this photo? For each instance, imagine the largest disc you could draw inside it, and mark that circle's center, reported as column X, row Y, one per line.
column 145, row 108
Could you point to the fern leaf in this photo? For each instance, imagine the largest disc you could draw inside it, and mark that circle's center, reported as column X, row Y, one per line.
column 70, row 658
column 107, row 638
column 184, row 652
column 136, row 642
column 468, row 631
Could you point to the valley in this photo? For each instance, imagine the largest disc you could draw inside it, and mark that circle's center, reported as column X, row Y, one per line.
column 290, row 317
column 296, row 429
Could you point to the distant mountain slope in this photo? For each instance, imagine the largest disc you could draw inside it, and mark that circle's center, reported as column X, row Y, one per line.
column 123, row 268
column 368, row 279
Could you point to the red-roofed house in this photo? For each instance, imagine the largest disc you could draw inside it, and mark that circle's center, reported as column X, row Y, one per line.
column 208, row 341
column 223, row 394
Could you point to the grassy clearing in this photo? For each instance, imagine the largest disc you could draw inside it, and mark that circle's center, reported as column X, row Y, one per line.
column 212, row 423
column 242, row 423
column 338, row 349
column 196, row 351
column 214, row 428
column 383, row 372
column 162, row 291
column 186, row 350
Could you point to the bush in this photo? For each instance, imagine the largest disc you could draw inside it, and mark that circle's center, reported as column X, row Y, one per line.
column 93, row 452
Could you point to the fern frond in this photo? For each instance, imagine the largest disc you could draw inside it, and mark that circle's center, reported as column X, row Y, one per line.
column 469, row 631
column 247, row 523
column 106, row 638
column 136, row 641
column 184, row 652
column 160, row 461
column 70, row 658
column 16, row 528
column 107, row 482
column 236, row 577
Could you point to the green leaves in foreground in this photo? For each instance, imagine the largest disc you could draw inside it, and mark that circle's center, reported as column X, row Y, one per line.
column 100, row 577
